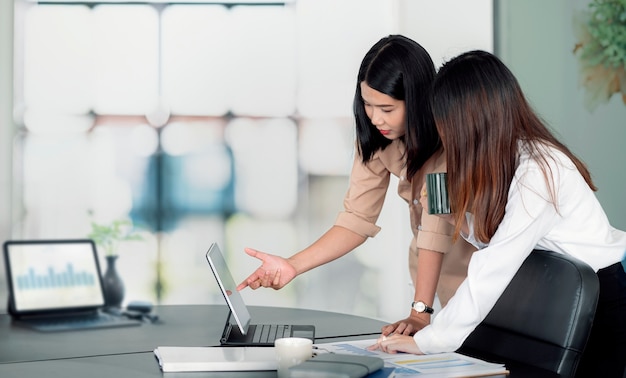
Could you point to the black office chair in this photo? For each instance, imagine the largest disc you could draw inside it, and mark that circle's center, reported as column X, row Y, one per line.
column 543, row 318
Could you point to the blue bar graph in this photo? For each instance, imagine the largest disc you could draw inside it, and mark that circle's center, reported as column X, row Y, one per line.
column 52, row 279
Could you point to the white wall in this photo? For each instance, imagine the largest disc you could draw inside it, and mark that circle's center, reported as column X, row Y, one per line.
column 447, row 28
column 6, row 123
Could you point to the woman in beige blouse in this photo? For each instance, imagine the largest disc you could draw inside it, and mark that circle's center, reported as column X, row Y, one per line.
column 391, row 113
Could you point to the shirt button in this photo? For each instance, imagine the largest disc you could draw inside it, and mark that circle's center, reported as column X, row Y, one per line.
column 415, row 202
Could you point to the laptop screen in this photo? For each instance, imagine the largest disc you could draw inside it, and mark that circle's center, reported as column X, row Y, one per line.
column 52, row 276
column 228, row 287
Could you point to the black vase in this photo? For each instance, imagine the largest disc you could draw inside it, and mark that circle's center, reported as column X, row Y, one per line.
column 112, row 284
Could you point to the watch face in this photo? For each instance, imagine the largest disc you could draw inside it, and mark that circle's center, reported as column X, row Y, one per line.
column 419, row 306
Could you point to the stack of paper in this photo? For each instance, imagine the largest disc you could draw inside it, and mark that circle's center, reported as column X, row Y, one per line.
column 179, row 359
column 443, row 365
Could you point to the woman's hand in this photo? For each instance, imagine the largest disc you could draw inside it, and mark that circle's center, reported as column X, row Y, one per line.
column 396, row 343
column 406, row 326
column 274, row 272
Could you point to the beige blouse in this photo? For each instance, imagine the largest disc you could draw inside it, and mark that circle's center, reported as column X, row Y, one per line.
column 364, row 201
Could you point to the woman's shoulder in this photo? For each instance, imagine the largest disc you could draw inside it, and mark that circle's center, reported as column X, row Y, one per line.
column 435, row 163
column 544, row 166
column 542, row 154
column 389, row 159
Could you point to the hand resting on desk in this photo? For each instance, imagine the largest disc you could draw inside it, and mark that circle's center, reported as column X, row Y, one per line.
column 396, row 343
column 406, row 326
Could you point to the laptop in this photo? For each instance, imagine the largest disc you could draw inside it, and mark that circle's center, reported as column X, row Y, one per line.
column 56, row 285
column 241, row 332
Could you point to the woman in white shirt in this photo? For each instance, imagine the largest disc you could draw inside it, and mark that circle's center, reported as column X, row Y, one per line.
column 514, row 187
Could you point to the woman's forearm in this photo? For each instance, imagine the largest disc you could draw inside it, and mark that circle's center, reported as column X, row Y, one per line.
column 336, row 242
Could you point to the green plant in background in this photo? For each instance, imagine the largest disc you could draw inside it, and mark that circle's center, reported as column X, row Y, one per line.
column 601, row 50
column 108, row 236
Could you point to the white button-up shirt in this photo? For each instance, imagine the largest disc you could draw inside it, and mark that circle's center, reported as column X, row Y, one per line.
column 577, row 226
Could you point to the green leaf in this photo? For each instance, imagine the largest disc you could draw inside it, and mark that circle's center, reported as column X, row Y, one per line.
column 108, row 236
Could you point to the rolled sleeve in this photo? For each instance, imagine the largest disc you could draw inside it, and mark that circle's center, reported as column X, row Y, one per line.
column 431, row 232
column 365, row 196
column 435, row 234
column 356, row 224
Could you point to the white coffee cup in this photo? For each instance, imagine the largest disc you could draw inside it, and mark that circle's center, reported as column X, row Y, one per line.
column 291, row 351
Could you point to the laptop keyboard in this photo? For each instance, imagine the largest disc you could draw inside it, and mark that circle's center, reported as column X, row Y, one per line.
column 267, row 333
column 101, row 320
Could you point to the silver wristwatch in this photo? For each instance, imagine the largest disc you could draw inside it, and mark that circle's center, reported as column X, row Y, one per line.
column 420, row 306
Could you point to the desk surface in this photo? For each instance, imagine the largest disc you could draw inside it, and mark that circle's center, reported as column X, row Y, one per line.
column 188, row 325
column 128, row 351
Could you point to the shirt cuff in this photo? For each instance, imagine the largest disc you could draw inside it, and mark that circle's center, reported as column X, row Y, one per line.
column 435, row 234
column 424, row 340
column 433, row 241
column 356, row 224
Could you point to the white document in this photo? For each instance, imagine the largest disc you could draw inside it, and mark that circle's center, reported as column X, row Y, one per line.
column 180, row 359
column 442, row 365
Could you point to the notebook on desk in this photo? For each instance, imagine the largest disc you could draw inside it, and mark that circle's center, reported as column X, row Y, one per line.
column 241, row 332
column 56, row 285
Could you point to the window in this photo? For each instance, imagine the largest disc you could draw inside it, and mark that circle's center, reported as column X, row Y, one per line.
column 202, row 122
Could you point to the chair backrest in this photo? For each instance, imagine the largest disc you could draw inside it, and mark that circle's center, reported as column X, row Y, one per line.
column 544, row 316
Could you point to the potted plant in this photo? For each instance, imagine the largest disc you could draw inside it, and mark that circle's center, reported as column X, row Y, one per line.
column 107, row 237
column 601, row 50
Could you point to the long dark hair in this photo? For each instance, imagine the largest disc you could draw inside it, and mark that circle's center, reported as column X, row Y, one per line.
column 402, row 69
column 482, row 115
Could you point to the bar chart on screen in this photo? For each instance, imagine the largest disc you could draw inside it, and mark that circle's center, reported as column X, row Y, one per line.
column 53, row 274
column 31, row 280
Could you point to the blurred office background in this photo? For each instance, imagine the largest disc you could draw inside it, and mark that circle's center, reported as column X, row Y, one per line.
column 226, row 122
